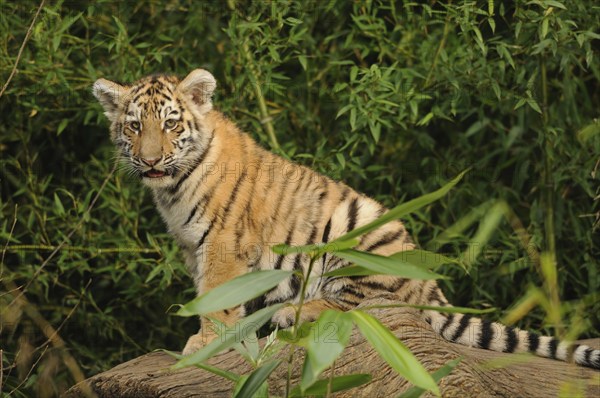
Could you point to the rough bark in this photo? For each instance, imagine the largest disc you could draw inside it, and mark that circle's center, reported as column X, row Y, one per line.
column 481, row 373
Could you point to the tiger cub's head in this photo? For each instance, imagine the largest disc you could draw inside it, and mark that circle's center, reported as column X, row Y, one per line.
column 157, row 122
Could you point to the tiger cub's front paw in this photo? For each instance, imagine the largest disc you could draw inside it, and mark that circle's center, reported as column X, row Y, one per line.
column 285, row 317
column 196, row 342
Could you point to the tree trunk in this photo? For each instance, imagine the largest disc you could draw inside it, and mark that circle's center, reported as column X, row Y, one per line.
column 481, row 373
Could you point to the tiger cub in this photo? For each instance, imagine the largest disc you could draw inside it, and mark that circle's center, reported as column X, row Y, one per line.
column 226, row 200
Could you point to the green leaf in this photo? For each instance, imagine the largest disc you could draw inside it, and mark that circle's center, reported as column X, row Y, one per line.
column 302, row 60
column 341, row 159
column 544, row 30
column 387, row 265
column 425, row 120
column 351, row 270
column 316, row 249
column 556, row 4
column 423, row 258
column 415, row 392
column 487, row 227
column 393, row 351
column 588, row 132
column 212, row 369
column 231, row 336
column 324, row 343
column 449, row 310
column 234, row 292
column 339, row 383
column 61, row 127
column 405, row 208
column 256, row 379
column 60, row 210
column 219, row 372
column 153, row 273
column 293, row 21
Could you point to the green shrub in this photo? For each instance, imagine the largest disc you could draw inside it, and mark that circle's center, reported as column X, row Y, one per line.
column 392, row 97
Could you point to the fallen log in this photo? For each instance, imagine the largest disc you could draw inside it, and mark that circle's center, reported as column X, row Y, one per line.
column 481, row 373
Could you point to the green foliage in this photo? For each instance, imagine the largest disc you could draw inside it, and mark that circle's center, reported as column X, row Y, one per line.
column 391, row 97
column 232, row 294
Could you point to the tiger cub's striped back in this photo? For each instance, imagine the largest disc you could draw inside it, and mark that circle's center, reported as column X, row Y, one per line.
column 226, row 201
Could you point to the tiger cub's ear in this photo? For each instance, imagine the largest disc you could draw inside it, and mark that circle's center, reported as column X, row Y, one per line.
column 110, row 95
column 199, row 86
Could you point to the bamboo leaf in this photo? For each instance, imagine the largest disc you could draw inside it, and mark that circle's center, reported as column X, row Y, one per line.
column 316, row 249
column 387, row 265
column 415, row 392
column 339, row 383
column 256, row 380
column 393, row 351
column 403, row 209
column 234, row 292
column 325, row 342
column 232, row 335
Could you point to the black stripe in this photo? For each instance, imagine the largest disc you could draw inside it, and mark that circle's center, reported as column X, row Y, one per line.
column 571, row 352
column 233, row 196
column 205, row 234
column 345, row 300
column 534, row 342
column 462, row 326
column 288, row 240
column 369, row 284
column 345, row 193
column 323, row 194
column 284, row 184
column 175, row 188
column 301, row 180
column 352, row 291
column 337, row 261
column 136, row 90
column 325, row 239
column 387, row 238
column 511, row 339
column 552, row 346
column 352, row 214
column 434, row 295
column 137, row 97
column 295, row 279
column 204, row 199
column 447, row 323
column 192, row 213
column 486, row 334
column 254, row 305
column 587, row 356
column 398, row 283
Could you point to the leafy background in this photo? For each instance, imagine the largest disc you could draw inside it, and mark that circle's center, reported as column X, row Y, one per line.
column 392, row 97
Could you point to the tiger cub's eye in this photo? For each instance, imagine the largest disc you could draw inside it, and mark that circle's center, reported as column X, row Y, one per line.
column 170, row 123
column 134, row 126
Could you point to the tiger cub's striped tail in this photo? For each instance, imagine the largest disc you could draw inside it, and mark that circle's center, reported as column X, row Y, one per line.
column 474, row 332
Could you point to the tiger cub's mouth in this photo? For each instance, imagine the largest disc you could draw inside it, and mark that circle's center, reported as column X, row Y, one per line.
column 153, row 173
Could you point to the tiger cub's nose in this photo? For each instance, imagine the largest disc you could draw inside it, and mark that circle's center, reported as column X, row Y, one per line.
column 151, row 162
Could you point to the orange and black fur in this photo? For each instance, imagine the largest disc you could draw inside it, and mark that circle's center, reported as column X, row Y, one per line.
column 226, row 201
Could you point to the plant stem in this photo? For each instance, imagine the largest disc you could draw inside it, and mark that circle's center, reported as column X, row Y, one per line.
column 296, row 321
column 266, row 119
column 548, row 183
column 330, row 383
column 548, row 192
column 440, row 47
column 20, row 53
